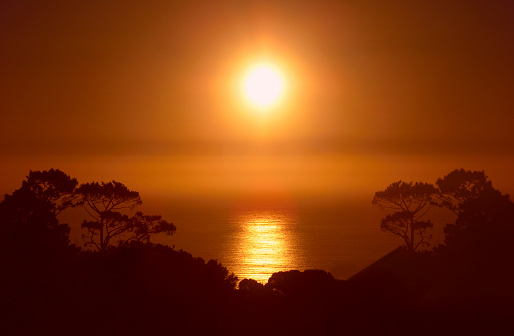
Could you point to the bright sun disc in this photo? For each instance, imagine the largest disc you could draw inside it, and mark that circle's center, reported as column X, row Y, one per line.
column 263, row 85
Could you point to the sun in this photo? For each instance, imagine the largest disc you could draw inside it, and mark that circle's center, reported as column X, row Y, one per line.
column 263, row 85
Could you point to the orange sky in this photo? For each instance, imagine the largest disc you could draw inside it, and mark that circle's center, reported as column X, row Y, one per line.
column 146, row 93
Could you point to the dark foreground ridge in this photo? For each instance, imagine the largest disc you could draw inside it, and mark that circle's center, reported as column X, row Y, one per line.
column 50, row 287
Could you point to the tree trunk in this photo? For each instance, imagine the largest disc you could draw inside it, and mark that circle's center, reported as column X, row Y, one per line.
column 102, row 247
column 411, row 235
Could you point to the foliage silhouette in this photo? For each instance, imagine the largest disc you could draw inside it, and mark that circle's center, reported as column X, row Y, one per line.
column 28, row 217
column 148, row 288
column 54, row 187
column 29, row 225
column 401, row 224
column 35, row 253
column 295, row 283
column 140, row 288
column 461, row 186
column 411, row 202
column 485, row 225
column 250, row 285
column 485, row 217
column 103, row 202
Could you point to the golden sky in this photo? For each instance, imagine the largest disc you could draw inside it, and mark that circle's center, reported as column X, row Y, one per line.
column 147, row 93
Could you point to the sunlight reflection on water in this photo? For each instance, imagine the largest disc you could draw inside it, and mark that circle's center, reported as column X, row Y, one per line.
column 263, row 242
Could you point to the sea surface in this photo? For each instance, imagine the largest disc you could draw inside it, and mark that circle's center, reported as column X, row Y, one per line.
column 255, row 243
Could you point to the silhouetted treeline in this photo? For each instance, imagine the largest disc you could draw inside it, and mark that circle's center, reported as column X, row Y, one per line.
column 51, row 287
column 48, row 286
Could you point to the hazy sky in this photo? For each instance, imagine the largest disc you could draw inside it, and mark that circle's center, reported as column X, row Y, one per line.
column 146, row 92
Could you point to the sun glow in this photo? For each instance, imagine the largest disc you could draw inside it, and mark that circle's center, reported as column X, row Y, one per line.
column 263, row 85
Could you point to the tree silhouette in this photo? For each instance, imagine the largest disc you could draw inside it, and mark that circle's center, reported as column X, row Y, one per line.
column 52, row 186
column 401, row 224
column 103, row 202
column 28, row 225
column 28, row 217
column 485, row 217
column 411, row 202
column 461, row 186
column 485, row 224
column 142, row 226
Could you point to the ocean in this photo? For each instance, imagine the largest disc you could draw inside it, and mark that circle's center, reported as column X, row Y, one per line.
column 256, row 240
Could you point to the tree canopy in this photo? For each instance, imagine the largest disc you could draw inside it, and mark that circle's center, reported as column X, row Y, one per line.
column 483, row 213
column 52, row 186
column 28, row 225
column 104, row 202
column 106, row 197
column 461, row 186
column 485, row 224
column 411, row 202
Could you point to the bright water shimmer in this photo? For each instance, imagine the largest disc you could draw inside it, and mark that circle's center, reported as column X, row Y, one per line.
column 257, row 243
column 254, row 240
column 262, row 243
